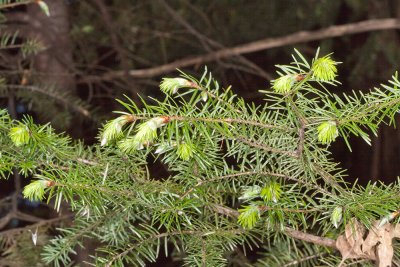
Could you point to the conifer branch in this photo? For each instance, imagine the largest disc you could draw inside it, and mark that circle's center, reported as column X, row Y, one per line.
column 310, row 238
column 237, row 173
column 317, row 240
column 298, row 261
column 161, row 235
column 135, row 117
column 247, row 173
column 41, row 223
column 267, row 148
column 230, row 120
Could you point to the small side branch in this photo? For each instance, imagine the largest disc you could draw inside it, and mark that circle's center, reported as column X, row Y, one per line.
column 35, row 225
column 239, row 174
column 317, row 240
column 267, row 148
column 300, row 145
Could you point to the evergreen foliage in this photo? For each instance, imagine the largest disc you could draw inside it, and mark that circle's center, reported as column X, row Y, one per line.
column 242, row 177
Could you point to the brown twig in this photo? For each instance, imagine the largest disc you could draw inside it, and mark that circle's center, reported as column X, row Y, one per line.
column 35, row 225
column 265, row 208
column 318, row 240
column 300, row 145
column 298, row 261
column 86, row 161
column 18, row 215
column 303, row 123
column 264, row 44
column 203, row 253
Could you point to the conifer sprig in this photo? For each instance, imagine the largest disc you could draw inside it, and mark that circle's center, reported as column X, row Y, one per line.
column 240, row 175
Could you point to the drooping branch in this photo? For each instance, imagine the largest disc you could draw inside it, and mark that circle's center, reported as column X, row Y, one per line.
column 264, row 44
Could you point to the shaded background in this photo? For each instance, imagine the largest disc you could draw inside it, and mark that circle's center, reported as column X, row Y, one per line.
column 94, row 51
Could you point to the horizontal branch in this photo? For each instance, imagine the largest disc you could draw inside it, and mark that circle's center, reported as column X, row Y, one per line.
column 318, row 240
column 310, row 238
column 264, row 44
column 135, row 117
column 252, row 172
column 161, row 235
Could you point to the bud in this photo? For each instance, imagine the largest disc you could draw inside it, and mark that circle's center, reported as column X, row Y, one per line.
column 161, row 149
column 271, row 192
column 385, row 220
column 147, row 131
column 172, row 85
column 327, row 132
column 388, row 218
column 43, row 6
column 204, row 96
column 324, row 69
column 130, row 144
column 36, row 189
column 249, row 215
column 157, row 122
column 336, row 216
column 20, row 135
column 145, row 134
column 283, row 84
column 185, row 151
column 85, row 212
column 113, row 129
column 164, row 147
column 49, row 183
column 250, row 192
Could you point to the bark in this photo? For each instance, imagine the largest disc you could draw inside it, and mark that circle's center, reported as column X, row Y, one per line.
column 56, row 60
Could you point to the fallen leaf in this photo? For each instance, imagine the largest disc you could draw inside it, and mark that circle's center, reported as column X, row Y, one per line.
column 376, row 246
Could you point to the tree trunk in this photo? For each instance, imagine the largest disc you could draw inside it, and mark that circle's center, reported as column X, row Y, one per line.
column 56, row 60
